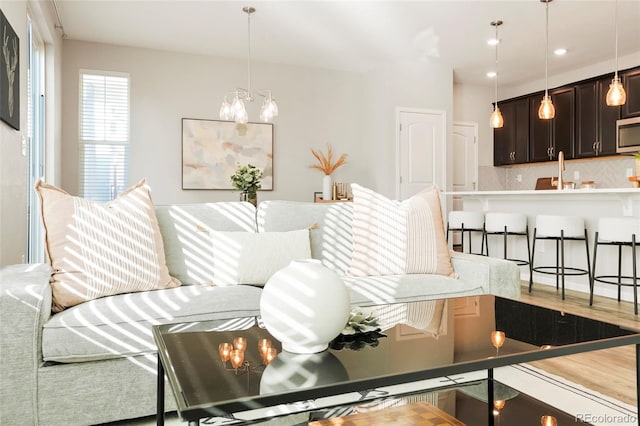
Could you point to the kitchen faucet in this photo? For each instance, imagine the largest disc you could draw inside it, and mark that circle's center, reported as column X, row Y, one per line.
column 561, row 169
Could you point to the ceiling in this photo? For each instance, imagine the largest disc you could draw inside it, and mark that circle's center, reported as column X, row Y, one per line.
column 357, row 35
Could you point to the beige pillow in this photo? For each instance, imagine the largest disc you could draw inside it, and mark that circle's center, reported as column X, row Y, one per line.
column 98, row 249
column 392, row 237
column 253, row 257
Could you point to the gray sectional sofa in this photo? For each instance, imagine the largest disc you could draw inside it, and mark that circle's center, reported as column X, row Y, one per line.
column 96, row 362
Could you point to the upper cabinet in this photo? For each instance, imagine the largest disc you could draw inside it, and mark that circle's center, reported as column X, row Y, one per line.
column 595, row 121
column 583, row 127
column 511, row 142
column 631, row 83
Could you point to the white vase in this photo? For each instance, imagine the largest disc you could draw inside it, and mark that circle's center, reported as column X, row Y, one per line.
column 327, row 187
column 305, row 305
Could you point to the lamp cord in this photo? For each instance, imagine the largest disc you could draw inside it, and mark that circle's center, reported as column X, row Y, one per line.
column 249, row 55
column 546, row 63
column 496, row 82
column 616, row 38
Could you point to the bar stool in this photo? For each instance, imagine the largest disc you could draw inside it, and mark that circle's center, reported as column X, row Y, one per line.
column 560, row 229
column 618, row 231
column 506, row 224
column 465, row 221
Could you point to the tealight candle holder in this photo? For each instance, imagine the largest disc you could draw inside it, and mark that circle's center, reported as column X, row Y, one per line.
column 236, row 357
column 548, row 421
column 240, row 343
column 270, row 355
column 497, row 339
column 263, row 346
column 224, row 349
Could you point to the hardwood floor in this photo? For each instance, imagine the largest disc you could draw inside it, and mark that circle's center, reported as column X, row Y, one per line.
column 610, row 371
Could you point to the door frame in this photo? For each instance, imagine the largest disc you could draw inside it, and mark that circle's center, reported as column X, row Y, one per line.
column 443, row 123
column 475, row 151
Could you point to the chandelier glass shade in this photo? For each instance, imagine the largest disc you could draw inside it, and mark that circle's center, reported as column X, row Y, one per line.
column 616, row 95
column 495, row 120
column 546, row 111
column 235, row 109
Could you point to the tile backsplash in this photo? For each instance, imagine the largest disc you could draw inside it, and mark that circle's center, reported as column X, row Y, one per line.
column 608, row 172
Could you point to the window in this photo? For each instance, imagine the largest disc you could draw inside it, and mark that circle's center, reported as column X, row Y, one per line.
column 35, row 138
column 104, row 134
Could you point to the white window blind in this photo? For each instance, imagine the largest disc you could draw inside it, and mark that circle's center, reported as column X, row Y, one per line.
column 104, row 135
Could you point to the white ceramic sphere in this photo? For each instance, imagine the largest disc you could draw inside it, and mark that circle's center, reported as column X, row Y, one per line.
column 305, row 305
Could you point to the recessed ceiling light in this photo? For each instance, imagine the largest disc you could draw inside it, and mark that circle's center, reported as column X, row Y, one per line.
column 493, row 41
column 491, row 74
column 560, row 51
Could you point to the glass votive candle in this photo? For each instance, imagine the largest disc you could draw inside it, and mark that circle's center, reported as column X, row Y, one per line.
column 240, row 343
column 497, row 339
column 548, row 421
column 236, row 357
column 270, row 355
column 225, row 351
column 263, row 345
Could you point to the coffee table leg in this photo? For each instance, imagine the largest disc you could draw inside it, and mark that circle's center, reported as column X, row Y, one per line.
column 638, row 378
column 160, row 394
column 490, row 396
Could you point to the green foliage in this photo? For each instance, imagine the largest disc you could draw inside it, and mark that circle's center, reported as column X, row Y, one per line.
column 247, row 178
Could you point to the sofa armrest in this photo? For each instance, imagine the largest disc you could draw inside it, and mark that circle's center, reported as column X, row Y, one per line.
column 25, row 305
column 496, row 276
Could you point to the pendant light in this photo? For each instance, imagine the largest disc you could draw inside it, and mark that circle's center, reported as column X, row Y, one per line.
column 235, row 110
column 616, row 95
column 496, row 121
column 546, row 111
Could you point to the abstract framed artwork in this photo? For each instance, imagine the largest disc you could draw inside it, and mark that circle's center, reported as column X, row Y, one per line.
column 9, row 75
column 213, row 149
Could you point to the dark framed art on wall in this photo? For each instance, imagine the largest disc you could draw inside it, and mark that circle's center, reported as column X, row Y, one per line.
column 9, row 74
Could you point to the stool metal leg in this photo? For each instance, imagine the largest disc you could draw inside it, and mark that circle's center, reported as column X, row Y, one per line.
column 592, row 279
column 528, row 248
column 462, row 239
column 533, row 251
column 586, row 245
column 504, row 247
column 562, row 257
column 557, row 263
column 619, row 270
column 635, row 274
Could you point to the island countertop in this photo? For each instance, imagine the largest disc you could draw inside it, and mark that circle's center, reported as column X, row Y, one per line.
column 545, row 192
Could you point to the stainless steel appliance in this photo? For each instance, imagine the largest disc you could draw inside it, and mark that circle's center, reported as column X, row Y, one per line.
column 628, row 135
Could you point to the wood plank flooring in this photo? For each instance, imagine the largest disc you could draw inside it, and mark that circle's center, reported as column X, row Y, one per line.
column 609, row 371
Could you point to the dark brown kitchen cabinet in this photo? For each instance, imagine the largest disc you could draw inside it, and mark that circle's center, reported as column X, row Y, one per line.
column 563, row 124
column 539, row 132
column 595, row 121
column 511, row 141
column 631, row 83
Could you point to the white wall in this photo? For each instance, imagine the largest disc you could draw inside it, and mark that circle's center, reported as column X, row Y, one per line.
column 420, row 85
column 316, row 107
column 14, row 168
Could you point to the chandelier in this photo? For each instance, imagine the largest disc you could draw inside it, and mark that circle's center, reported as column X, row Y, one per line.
column 546, row 111
column 235, row 110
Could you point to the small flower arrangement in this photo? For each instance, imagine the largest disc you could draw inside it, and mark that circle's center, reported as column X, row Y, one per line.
column 247, row 178
column 325, row 163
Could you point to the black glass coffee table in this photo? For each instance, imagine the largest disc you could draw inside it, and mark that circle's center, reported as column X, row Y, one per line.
column 423, row 340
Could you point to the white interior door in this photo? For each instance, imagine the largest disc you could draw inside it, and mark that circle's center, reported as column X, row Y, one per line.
column 465, row 159
column 421, row 151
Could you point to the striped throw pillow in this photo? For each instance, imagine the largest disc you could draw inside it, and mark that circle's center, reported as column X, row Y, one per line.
column 398, row 237
column 98, row 249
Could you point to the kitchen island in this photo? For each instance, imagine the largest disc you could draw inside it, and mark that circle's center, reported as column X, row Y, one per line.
column 590, row 204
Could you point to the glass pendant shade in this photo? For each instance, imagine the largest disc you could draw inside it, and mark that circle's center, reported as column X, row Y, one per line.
column 616, row 95
column 496, row 121
column 546, row 111
column 226, row 112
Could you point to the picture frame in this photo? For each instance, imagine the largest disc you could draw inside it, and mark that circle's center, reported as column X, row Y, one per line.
column 213, row 149
column 9, row 74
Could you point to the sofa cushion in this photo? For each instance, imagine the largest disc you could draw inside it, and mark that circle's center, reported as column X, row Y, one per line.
column 330, row 227
column 381, row 289
column 187, row 243
column 98, row 249
column 120, row 326
column 398, row 237
column 253, row 257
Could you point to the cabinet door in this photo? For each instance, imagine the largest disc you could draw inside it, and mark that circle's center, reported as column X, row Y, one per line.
column 503, row 138
column 563, row 123
column 586, row 119
column 607, row 117
column 521, row 146
column 631, row 82
column 539, row 132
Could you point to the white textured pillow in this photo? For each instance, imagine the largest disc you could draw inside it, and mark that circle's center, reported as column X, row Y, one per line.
column 398, row 237
column 252, row 258
column 102, row 249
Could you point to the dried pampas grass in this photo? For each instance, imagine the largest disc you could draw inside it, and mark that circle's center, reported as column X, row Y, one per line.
column 325, row 163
